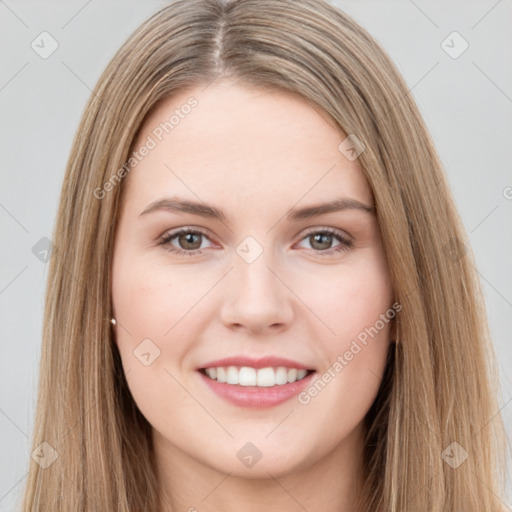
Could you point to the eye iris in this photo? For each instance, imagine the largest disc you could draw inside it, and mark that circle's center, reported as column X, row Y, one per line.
column 321, row 239
column 186, row 240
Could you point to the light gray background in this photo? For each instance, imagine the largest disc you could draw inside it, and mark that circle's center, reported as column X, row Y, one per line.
column 466, row 102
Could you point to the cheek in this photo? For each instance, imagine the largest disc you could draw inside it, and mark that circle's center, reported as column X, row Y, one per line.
column 354, row 348
column 153, row 300
column 350, row 300
column 154, row 306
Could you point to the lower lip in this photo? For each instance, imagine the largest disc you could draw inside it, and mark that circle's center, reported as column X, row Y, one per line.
column 254, row 396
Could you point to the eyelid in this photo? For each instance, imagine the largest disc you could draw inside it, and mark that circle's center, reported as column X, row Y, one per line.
column 333, row 231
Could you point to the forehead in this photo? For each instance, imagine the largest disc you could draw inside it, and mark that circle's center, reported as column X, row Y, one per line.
column 262, row 145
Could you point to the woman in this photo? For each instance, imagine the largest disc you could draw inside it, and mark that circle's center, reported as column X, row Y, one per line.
column 262, row 297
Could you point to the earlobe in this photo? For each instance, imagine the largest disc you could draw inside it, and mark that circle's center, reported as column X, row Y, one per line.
column 113, row 322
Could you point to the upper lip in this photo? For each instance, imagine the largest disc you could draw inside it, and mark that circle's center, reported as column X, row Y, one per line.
column 261, row 362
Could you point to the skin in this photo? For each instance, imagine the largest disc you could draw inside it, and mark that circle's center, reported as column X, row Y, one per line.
column 255, row 154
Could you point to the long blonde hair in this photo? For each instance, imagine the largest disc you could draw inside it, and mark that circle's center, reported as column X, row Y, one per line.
column 441, row 383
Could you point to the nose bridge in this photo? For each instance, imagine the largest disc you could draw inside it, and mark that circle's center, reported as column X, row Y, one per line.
column 256, row 298
column 252, row 267
column 257, row 279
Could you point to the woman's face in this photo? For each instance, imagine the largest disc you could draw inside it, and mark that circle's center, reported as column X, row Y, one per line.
column 288, row 303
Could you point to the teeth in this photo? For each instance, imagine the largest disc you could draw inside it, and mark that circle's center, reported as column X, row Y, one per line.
column 221, row 374
column 266, row 377
column 247, row 376
column 292, row 375
column 263, row 377
column 232, row 375
column 301, row 374
column 281, row 376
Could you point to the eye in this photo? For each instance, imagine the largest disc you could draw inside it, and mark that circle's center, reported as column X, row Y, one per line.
column 321, row 241
column 189, row 241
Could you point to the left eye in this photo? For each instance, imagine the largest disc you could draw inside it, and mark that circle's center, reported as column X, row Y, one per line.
column 190, row 241
column 321, row 241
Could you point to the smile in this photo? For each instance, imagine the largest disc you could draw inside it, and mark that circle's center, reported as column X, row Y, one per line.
column 256, row 383
column 262, row 377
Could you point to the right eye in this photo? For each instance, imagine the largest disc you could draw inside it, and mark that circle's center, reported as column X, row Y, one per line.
column 189, row 239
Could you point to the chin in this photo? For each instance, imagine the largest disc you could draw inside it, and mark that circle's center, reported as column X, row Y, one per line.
column 259, row 461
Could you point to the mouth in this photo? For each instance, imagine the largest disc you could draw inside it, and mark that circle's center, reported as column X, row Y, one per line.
column 256, row 383
column 259, row 377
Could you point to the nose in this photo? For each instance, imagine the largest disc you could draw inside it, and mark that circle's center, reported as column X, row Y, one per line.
column 257, row 298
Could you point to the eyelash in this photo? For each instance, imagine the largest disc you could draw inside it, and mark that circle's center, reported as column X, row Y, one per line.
column 344, row 245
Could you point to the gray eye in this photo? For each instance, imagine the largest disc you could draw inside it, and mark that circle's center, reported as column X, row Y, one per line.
column 190, row 241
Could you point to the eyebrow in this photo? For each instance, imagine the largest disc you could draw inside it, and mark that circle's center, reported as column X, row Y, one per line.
column 209, row 211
